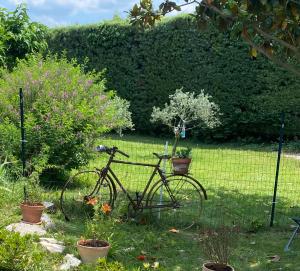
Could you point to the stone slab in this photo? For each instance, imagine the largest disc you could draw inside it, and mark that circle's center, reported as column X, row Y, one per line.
column 70, row 261
column 52, row 245
column 24, row 228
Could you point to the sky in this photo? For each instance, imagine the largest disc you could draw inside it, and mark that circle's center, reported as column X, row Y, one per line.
column 67, row 12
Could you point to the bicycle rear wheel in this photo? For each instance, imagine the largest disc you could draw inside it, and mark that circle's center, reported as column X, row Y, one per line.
column 81, row 192
column 185, row 210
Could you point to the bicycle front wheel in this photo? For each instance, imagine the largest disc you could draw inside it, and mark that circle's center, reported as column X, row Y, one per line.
column 183, row 209
column 81, row 192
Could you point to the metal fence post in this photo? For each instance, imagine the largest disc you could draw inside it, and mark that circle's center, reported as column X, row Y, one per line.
column 22, row 131
column 277, row 170
column 164, row 172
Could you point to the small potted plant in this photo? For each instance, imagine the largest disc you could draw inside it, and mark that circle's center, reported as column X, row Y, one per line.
column 217, row 246
column 32, row 207
column 90, row 250
column 181, row 161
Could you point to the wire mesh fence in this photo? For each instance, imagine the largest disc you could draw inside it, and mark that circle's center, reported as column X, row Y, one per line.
column 239, row 179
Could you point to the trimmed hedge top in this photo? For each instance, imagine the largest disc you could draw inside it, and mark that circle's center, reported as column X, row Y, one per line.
column 146, row 66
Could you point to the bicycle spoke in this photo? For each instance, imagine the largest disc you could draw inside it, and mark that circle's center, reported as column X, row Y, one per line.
column 81, row 192
column 186, row 209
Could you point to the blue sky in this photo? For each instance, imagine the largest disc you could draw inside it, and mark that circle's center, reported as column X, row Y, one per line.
column 66, row 12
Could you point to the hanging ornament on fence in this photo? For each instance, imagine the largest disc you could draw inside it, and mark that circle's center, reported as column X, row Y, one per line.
column 182, row 133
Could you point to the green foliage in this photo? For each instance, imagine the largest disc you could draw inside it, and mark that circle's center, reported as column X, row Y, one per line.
column 17, row 253
column 19, row 36
column 188, row 109
column 269, row 27
column 111, row 266
column 184, row 153
column 146, row 66
column 3, row 175
column 65, row 111
column 33, row 193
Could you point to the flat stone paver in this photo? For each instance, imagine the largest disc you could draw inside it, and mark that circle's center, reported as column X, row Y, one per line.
column 24, row 228
column 70, row 261
column 52, row 245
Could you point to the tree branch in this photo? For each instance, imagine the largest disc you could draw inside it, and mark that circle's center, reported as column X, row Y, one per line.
column 284, row 65
column 281, row 42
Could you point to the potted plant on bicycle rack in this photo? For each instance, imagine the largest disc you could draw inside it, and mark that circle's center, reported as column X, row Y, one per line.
column 217, row 246
column 186, row 111
column 90, row 250
column 32, row 207
column 181, row 161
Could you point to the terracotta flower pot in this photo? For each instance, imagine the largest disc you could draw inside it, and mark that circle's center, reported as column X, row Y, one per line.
column 181, row 165
column 91, row 250
column 32, row 213
column 216, row 267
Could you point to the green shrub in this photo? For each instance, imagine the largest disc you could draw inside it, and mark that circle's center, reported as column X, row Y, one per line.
column 19, row 36
column 145, row 68
column 65, row 111
column 18, row 253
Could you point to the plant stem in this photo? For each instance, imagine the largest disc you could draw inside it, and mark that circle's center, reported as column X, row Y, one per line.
column 175, row 145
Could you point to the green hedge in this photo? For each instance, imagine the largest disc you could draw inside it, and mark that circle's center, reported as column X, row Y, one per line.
column 145, row 67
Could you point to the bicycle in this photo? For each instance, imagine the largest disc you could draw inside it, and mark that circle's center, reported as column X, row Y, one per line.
column 176, row 199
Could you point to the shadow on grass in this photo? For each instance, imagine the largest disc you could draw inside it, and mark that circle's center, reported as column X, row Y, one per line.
column 238, row 146
column 182, row 251
column 251, row 212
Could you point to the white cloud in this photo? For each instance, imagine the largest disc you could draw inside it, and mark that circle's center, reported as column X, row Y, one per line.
column 92, row 6
column 50, row 21
column 29, row 2
column 57, row 12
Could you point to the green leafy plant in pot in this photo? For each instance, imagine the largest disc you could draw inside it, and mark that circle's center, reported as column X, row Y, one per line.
column 32, row 207
column 181, row 161
column 90, row 250
column 186, row 111
column 217, row 245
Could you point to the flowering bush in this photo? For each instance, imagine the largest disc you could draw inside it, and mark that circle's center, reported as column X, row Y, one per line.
column 65, row 111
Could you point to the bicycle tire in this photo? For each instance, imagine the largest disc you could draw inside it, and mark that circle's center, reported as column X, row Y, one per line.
column 81, row 192
column 187, row 210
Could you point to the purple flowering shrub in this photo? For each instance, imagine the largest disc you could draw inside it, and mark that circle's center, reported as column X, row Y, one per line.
column 66, row 109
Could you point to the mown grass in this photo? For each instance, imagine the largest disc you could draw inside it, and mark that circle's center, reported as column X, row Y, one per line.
column 239, row 182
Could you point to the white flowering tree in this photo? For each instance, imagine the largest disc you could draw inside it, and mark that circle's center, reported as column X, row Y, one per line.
column 186, row 111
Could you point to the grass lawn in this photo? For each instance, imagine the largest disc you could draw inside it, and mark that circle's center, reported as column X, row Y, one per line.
column 239, row 182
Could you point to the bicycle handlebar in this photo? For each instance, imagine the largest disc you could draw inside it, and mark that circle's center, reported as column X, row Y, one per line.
column 123, row 153
column 102, row 148
column 164, row 156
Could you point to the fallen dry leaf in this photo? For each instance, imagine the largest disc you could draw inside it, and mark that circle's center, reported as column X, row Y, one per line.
column 173, row 230
column 274, row 258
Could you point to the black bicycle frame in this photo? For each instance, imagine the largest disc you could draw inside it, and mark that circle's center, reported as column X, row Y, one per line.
column 156, row 170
